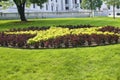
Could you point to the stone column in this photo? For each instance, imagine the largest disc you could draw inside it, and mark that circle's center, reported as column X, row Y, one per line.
column 62, row 5
column 71, row 5
column 49, row 6
column 59, row 5
column 78, row 4
column 54, row 6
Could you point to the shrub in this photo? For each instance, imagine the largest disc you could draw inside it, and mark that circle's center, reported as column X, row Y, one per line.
column 75, row 26
column 14, row 40
column 32, row 28
column 58, row 37
column 80, row 40
column 109, row 29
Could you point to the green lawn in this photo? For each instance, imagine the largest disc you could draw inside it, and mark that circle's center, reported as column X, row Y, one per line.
column 85, row 63
column 7, row 24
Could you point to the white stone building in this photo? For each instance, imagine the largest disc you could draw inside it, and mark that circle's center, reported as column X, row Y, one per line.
column 52, row 7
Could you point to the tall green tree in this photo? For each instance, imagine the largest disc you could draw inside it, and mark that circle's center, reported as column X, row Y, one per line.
column 91, row 5
column 6, row 4
column 113, row 3
column 20, row 4
column 98, row 3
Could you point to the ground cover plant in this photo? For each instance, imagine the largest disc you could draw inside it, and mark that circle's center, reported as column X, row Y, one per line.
column 63, row 36
column 84, row 63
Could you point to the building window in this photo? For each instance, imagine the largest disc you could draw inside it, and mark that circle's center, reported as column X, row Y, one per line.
column 33, row 5
column 57, row 9
column 108, row 7
column 75, row 1
column 118, row 14
column 46, row 7
column 66, row 1
column 118, row 7
column 40, row 7
column 67, row 8
column 52, row 8
column 80, row 1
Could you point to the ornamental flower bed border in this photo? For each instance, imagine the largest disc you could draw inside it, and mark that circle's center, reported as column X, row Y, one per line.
column 13, row 38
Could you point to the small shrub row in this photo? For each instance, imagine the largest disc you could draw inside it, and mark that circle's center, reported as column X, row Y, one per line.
column 54, row 32
column 58, row 37
column 110, row 29
column 75, row 26
column 77, row 40
column 33, row 28
column 14, row 40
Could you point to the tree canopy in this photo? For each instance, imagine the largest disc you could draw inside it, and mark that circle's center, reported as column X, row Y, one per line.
column 20, row 4
column 91, row 4
column 114, row 3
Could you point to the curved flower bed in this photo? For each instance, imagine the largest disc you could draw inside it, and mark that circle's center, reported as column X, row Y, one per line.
column 60, row 37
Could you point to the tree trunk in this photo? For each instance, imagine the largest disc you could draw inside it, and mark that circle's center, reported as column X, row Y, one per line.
column 114, row 11
column 91, row 7
column 92, row 13
column 21, row 11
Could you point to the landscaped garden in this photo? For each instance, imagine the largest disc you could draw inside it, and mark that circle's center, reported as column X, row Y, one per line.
column 93, row 59
column 62, row 36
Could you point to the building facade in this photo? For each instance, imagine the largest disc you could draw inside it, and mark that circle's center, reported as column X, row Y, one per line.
column 59, row 6
column 52, row 6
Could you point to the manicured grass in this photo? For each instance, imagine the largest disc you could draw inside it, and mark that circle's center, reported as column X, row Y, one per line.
column 94, row 63
column 7, row 24
column 85, row 63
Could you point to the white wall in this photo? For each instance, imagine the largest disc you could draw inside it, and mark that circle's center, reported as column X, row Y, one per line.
column 58, row 6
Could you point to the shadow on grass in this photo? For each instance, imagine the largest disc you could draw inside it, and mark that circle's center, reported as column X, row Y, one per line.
column 50, row 22
column 80, row 47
